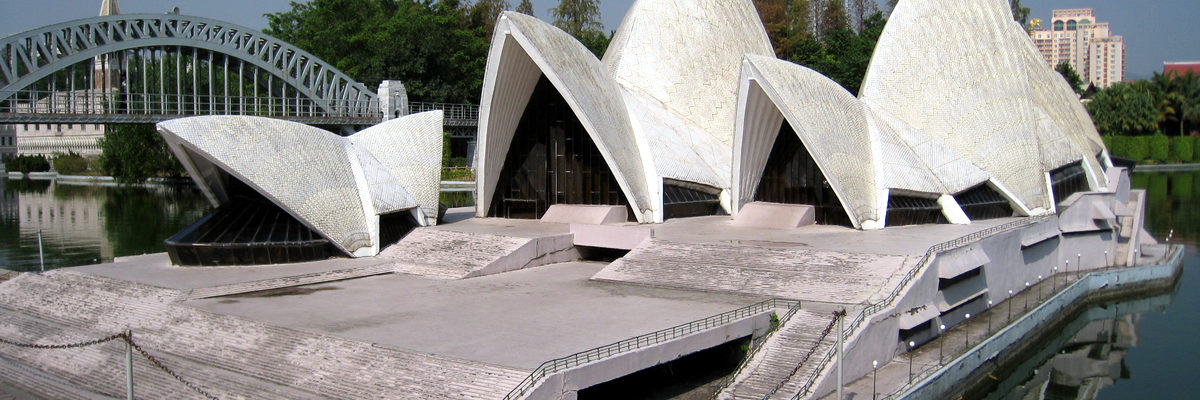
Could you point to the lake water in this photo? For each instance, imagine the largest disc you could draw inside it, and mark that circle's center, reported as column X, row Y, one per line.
column 1135, row 348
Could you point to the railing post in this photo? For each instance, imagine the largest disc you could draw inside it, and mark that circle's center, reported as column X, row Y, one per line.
column 129, row 364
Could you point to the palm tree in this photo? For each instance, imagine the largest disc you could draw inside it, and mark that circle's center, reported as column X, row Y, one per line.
column 1188, row 87
column 1166, row 97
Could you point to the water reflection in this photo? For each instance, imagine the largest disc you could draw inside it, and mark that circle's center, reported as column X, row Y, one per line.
column 1087, row 356
column 84, row 224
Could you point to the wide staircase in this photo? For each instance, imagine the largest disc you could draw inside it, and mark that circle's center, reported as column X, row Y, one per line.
column 447, row 254
column 783, row 365
column 227, row 356
column 787, row 272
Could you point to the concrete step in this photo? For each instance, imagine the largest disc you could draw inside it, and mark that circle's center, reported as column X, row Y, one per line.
column 447, row 254
column 788, row 272
column 229, row 356
column 779, row 369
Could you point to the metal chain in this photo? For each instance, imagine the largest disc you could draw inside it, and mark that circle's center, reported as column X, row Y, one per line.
column 170, row 372
column 127, row 339
column 64, row 346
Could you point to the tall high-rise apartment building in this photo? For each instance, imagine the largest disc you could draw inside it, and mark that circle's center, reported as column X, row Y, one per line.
column 1074, row 36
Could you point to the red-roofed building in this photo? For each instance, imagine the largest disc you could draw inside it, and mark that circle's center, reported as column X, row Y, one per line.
column 1181, row 67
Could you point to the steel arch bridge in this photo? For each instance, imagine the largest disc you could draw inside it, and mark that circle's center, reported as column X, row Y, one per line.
column 299, row 86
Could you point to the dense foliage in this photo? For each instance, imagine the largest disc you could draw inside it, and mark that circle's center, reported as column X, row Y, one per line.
column 1068, row 73
column 1155, row 149
column 132, row 153
column 27, row 164
column 824, row 35
column 438, row 48
column 1166, row 103
column 70, row 164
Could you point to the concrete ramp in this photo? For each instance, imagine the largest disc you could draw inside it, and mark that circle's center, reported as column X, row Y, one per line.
column 789, row 272
column 784, row 363
column 447, row 254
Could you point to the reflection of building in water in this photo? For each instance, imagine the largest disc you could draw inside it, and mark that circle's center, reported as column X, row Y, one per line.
column 62, row 218
column 1090, row 361
column 8, row 141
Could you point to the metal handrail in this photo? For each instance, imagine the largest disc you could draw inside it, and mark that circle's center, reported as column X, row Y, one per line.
column 607, row 351
column 783, row 320
column 912, row 274
column 449, row 110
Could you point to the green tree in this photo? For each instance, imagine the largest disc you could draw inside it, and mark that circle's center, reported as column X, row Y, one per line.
column 484, row 13
column 1064, row 68
column 525, row 7
column 581, row 19
column 1123, row 109
column 434, row 46
column 1020, row 14
column 132, row 153
column 1166, row 93
column 832, row 18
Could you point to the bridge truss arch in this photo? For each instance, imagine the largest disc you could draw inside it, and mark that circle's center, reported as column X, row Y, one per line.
column 31, row 56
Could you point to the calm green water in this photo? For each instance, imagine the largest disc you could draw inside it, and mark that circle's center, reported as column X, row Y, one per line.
column 88, row 224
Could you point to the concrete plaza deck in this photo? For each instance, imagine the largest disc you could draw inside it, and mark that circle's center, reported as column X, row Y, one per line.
column 517, row 319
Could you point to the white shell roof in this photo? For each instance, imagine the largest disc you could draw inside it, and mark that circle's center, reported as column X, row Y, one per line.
column 948, row 69
column 678, row 63
column 861, row 153
column 956, row 95
column 523, row 49
column 332, row 184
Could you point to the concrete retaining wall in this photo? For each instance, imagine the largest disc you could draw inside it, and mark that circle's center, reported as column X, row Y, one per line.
column 565, row 385
column 941, row 383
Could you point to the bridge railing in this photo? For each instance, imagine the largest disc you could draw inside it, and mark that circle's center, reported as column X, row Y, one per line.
column 455, row 111
column 98, row 102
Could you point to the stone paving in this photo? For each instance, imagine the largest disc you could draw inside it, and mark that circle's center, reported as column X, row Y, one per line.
column 789, row 272
column 231, row 357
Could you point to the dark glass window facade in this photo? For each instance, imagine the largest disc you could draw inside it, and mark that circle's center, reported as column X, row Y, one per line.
column 552, row 160
column 909, row 210
column 791, row 176
column 983, row 202
column 1067, row 180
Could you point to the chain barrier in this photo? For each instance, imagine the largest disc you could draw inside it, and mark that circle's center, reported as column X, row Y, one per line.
column 66, row 345
column 170, row 372
column 129, row 341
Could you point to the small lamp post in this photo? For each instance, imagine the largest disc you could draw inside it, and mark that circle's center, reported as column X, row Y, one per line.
column 1026, row 297
column 1054, row 283
column 1039, row 288
column 1106, row 262
column 941, row 341
column 1010, row 299
column 874, row 373
column 1078, row 261
column 967, row 332
column 911, row 345
column 989, row 331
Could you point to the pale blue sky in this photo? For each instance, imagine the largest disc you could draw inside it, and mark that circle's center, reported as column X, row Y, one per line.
column 1154, row 30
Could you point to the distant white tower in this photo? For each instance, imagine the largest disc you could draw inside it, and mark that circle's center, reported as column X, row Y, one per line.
column 106, row 71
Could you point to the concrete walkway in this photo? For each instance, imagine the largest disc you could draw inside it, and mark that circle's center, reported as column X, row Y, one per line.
column 893, row 377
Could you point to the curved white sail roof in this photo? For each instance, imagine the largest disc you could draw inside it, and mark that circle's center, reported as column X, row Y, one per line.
column 525, row 48
column 334, row 185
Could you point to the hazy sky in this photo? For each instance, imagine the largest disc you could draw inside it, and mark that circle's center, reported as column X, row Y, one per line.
column 1154, row 30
